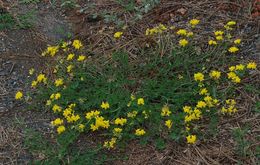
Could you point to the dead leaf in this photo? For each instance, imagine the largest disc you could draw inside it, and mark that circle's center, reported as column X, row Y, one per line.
column 182, row 11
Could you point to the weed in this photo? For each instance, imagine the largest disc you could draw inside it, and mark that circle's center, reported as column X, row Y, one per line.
column 242, row 144
column 169, row 92
column 7, row 21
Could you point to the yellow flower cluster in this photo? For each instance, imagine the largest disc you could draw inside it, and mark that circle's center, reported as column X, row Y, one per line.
column 56, row 108
column 132, row 114
column 229, row 25
column 58, row 82
column 191, row 114
column 57, row 122
column 234, row 77
column 230, row 107
column 92, row 114
column 117, row 131
column 194, row 22
column 158, row 29
column 183, row 42
column 51, row 50
column 110, row 144
column 165, row 111
column 139, row 132
column 120, row 121
column 77, row 44
column 99, row 123
column 104, row 105
column 40, row 79
column 215, row 74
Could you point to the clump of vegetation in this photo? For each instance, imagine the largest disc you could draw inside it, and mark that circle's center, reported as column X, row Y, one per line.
column 154, row 98
column 22, row 21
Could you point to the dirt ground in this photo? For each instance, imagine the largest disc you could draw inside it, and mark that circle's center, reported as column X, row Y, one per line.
column 20, row 50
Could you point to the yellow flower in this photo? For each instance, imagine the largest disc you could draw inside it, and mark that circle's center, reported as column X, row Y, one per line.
column 34, row 84
column 234, row 78
column 72, row 118
column 140, row 101
column 31, row 71
column 237, row 41
column 91, row 114
column 231, row 23
column 139, row 132
column 117, row 131
column 104, row 105
column 212, row 42
column 69, row 68
column 182, row 32
column 41, row 78
column 18, row 95
column 52, row 50
column 215, row 74
column 120, row 121
column 67, row 112
column 203, row 91
column 232, row 68
column 201, row 104
column 165, row 111
column 57, row 96
column 110, row 144
column 191, row 139
column 132, row 114
column 218, row 33
column 199, row 77
column 81, row 127
column 48, row 102
column 251, row 65
column 168, row 123
column 70, row 57
column 187, row 109
column 61, row 129
column 183, row 42
column 240, row 67
column 219, row 38
column 118, row 34
column 194, row 22
column 58, row 82
column 230, row 107
column 81, row 58
column 233, row 49
column 77, row 44
column 57, row 122
column 56, row 108
column 100, row 122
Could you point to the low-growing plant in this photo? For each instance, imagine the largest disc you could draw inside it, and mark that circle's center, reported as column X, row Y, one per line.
column 242, row 144
column 170, row 91
column 22, row 21
column 7, row 21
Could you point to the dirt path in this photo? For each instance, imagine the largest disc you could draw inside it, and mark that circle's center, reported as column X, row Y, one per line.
column 19, row 51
